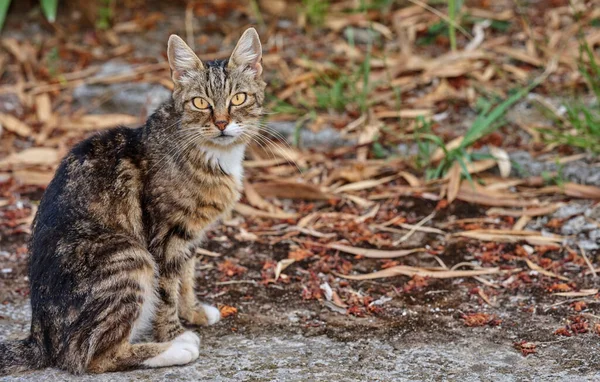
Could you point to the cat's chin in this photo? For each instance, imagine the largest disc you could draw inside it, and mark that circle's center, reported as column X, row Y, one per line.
column 225, row 140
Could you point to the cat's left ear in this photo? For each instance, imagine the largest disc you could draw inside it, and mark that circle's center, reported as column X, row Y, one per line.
column 182, row 58
column 247, row 52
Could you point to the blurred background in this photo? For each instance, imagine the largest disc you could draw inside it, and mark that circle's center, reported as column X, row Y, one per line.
column 418, row 155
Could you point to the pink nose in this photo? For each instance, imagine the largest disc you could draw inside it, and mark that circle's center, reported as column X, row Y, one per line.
column 221, row 125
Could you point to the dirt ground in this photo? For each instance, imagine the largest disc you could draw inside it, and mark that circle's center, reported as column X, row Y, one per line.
column 278, row 336
column 292, row 311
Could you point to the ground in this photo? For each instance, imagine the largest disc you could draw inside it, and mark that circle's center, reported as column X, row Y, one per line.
column 345, row 259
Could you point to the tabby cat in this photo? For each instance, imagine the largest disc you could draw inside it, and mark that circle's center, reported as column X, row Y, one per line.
column 112, row 248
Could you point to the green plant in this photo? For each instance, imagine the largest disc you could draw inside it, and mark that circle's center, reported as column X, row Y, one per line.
column 53, row 62
column 315, row 11
column 48, row 7
column 581, row 126
column 340, row 89
column 377, row 5
column 433, row 31
column 453, row 7
column 4, row 5
column 104, row 14
column 489, row 119
column 254, row 7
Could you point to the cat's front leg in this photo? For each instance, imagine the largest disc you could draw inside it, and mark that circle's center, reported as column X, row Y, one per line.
column 190, row 309
column 167, row 325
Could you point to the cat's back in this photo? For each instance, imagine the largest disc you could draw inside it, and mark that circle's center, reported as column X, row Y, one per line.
column 96, row 188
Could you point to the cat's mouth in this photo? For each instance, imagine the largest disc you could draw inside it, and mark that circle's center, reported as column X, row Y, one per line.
column 224, row 139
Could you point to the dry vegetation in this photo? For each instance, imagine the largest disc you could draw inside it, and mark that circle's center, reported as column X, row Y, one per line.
column 411, row 197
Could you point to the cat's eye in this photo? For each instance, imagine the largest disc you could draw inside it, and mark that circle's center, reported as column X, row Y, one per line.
column 238, row 99
column 200, row 103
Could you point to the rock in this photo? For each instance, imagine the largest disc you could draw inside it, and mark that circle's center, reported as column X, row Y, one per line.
column 361, row 35
column 326, row 138
column 579, row 171
column 126, row 98
column 576, row 226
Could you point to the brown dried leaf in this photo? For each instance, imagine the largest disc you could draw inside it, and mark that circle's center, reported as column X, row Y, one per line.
column 34, row 178
column 246, row 210
column 227, row 311
column 412, row 180
column 454, row 178
column 412, row 271
column 503, row 236
column 15, row 126
column 32, row 156
column 375, row 253
column 365, row 184
column 581, row 293
column 290, row 190
column 43, row 107
column 536, row 211
column 98, row 122
column 256, row 200
column 533, row 266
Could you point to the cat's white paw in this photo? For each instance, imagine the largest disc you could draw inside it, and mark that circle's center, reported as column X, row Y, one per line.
column 188, row 337
column 213, row 315
column 183, row 349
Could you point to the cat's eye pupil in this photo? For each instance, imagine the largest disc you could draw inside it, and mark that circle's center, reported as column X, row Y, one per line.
column 238, row 99
column 200, row 103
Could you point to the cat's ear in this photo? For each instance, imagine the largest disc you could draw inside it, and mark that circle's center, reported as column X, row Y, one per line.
column 182, row 58
column 247, row 52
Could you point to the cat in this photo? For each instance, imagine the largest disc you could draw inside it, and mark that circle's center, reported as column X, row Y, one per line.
column 112, row 246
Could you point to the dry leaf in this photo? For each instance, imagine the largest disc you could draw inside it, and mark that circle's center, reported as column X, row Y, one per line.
column 227, row 311
column 34, row 178
column 455, row 176
column 412, row 180
column 281, row 265
column 31, row 157
column 14, row 125
column 502, row 159
column 533, row 266
column 536, row 211
column 257, row 201
column 413, row 271
column 470, row 195
column 290, row 190
column 375, row 253
column 365, row 184
column 206, row 252
column 43, row 107
column 246, row 210
column 581, row 293
column 514, row 236
column 98, row 122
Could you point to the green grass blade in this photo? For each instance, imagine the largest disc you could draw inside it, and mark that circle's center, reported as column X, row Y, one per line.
column 4, row 5
column 452, row 5
column 485, row 125
column 49, row 8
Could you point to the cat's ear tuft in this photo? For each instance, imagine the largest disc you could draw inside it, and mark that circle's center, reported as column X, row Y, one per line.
column 182, row 58
column 247, row 52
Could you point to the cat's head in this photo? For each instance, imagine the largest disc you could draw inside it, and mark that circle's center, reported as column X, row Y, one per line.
column 221, row 101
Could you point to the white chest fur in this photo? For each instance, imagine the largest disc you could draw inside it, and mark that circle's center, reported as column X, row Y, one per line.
column 229, row 160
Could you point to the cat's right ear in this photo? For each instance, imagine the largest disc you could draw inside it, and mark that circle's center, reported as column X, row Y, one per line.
column 182, row 58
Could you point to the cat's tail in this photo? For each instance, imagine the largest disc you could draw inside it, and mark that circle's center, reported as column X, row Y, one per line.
column 21, row 355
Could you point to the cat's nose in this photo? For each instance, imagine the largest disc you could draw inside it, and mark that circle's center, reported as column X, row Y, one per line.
column 221, row 125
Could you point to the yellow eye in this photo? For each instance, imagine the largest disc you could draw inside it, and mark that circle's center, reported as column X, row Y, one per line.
column 238, row 99
column 200, row 103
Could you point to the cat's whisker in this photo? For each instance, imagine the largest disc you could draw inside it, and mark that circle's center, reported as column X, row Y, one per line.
column 282, row 153
column 262, row 126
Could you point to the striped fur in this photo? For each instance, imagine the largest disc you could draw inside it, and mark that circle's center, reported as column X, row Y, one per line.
column 114, row 236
